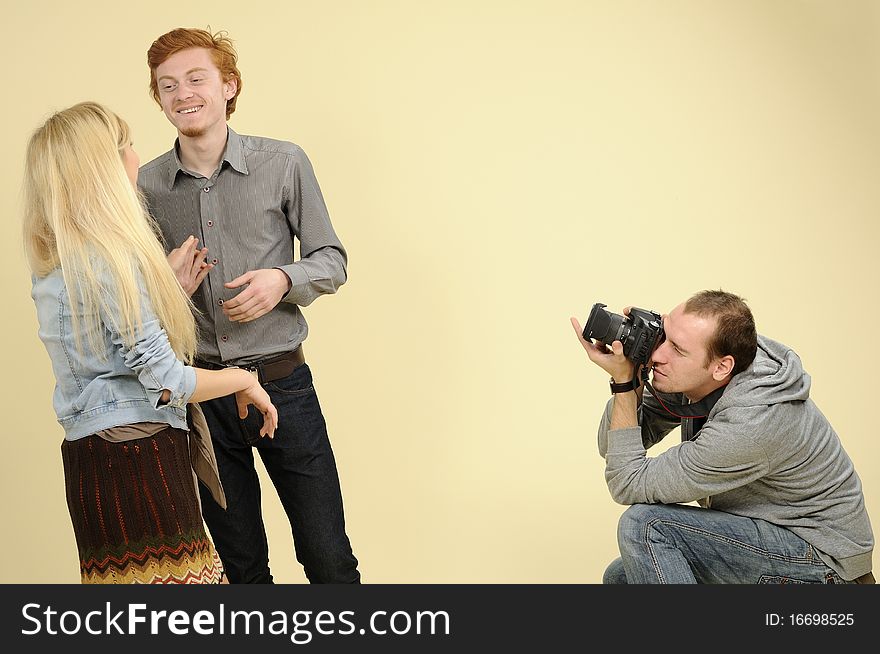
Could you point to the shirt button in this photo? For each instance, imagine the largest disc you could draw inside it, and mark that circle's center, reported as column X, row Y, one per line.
column 224, row 338
column 220, row 302
column 206, row 189
column 214, row 261
column 210, row 223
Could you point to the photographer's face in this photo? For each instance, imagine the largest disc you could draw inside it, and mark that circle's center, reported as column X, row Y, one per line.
column 680, row 363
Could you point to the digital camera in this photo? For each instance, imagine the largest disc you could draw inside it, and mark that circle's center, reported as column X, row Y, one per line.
column 640, row 332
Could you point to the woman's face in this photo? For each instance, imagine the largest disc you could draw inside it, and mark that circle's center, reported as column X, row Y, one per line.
column 131, row 162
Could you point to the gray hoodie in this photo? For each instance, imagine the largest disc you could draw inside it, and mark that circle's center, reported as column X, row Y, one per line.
column 765, row 451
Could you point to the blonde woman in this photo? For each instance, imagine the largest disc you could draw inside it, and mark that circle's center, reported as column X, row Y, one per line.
column 119, row 331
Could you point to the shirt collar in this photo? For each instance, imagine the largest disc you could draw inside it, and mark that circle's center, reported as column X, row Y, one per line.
column 233, row 155
column 235, row 152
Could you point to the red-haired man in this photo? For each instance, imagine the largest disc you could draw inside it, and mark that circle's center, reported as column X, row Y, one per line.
column 246, row 199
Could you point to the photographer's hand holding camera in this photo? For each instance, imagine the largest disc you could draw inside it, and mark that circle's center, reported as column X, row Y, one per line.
column 612, row 361
column 779, row 498
column 622, row 370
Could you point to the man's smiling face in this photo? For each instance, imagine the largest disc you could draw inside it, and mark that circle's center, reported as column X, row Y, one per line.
column 193, row 93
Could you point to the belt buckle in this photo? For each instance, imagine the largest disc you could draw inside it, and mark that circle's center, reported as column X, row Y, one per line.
column 255, row 372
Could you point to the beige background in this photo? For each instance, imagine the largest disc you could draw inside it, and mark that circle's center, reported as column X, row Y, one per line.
column 493, row 168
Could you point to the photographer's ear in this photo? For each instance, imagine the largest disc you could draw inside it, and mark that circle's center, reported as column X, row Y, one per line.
column 722, row 368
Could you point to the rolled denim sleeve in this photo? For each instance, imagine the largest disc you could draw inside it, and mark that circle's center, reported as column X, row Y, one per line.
column 156, row 365
column 322, row 267
column 150, row 354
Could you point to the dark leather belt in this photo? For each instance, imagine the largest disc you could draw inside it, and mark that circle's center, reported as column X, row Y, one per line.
column 267, row 370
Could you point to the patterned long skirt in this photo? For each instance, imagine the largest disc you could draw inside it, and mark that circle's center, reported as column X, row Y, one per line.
column 135, row 512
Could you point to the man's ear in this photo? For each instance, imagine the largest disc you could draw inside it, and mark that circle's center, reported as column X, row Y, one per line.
column 230, row 88
column 723, row 368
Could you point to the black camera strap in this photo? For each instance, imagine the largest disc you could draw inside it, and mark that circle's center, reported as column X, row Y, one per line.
column 699, row 409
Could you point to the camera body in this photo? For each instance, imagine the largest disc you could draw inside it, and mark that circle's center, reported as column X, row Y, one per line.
column 640, row 332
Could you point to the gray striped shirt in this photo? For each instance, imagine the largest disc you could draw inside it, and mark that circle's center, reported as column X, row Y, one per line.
column 262, row 196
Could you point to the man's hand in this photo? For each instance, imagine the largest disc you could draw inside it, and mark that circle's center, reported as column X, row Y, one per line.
column 189, row 265
column 265, row 288
column 613, row 362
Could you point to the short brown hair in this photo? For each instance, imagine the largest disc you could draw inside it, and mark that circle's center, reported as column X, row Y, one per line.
column 735, row 333
column 222, row 51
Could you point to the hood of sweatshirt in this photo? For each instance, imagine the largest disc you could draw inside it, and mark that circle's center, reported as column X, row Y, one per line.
column 775, row 376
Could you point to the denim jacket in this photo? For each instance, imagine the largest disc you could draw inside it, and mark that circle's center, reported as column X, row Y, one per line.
column 126, row 387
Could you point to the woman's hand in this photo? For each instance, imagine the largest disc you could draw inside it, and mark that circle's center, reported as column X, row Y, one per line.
column 255, row 394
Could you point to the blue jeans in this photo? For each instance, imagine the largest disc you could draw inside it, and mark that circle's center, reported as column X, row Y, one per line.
column 679, row 544
column 302, row 467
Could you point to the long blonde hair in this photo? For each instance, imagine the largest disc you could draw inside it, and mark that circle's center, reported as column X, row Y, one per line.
column 82, row 213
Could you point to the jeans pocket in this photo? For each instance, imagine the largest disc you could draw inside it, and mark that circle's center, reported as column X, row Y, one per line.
column 297, row 383
column 832, row 577
column 780, row 579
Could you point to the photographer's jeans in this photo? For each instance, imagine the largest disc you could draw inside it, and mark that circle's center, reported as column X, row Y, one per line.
column 302, row 467
column 681, row 544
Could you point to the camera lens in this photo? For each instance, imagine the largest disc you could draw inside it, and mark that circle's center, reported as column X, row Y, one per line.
column 606, row 327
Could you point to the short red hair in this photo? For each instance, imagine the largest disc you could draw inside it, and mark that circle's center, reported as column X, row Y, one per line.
column 222, row 52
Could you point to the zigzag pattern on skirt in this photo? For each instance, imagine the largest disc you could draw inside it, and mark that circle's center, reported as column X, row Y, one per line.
column 193, row 561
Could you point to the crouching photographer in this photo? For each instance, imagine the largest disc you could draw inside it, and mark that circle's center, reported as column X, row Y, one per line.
column 779, row 498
